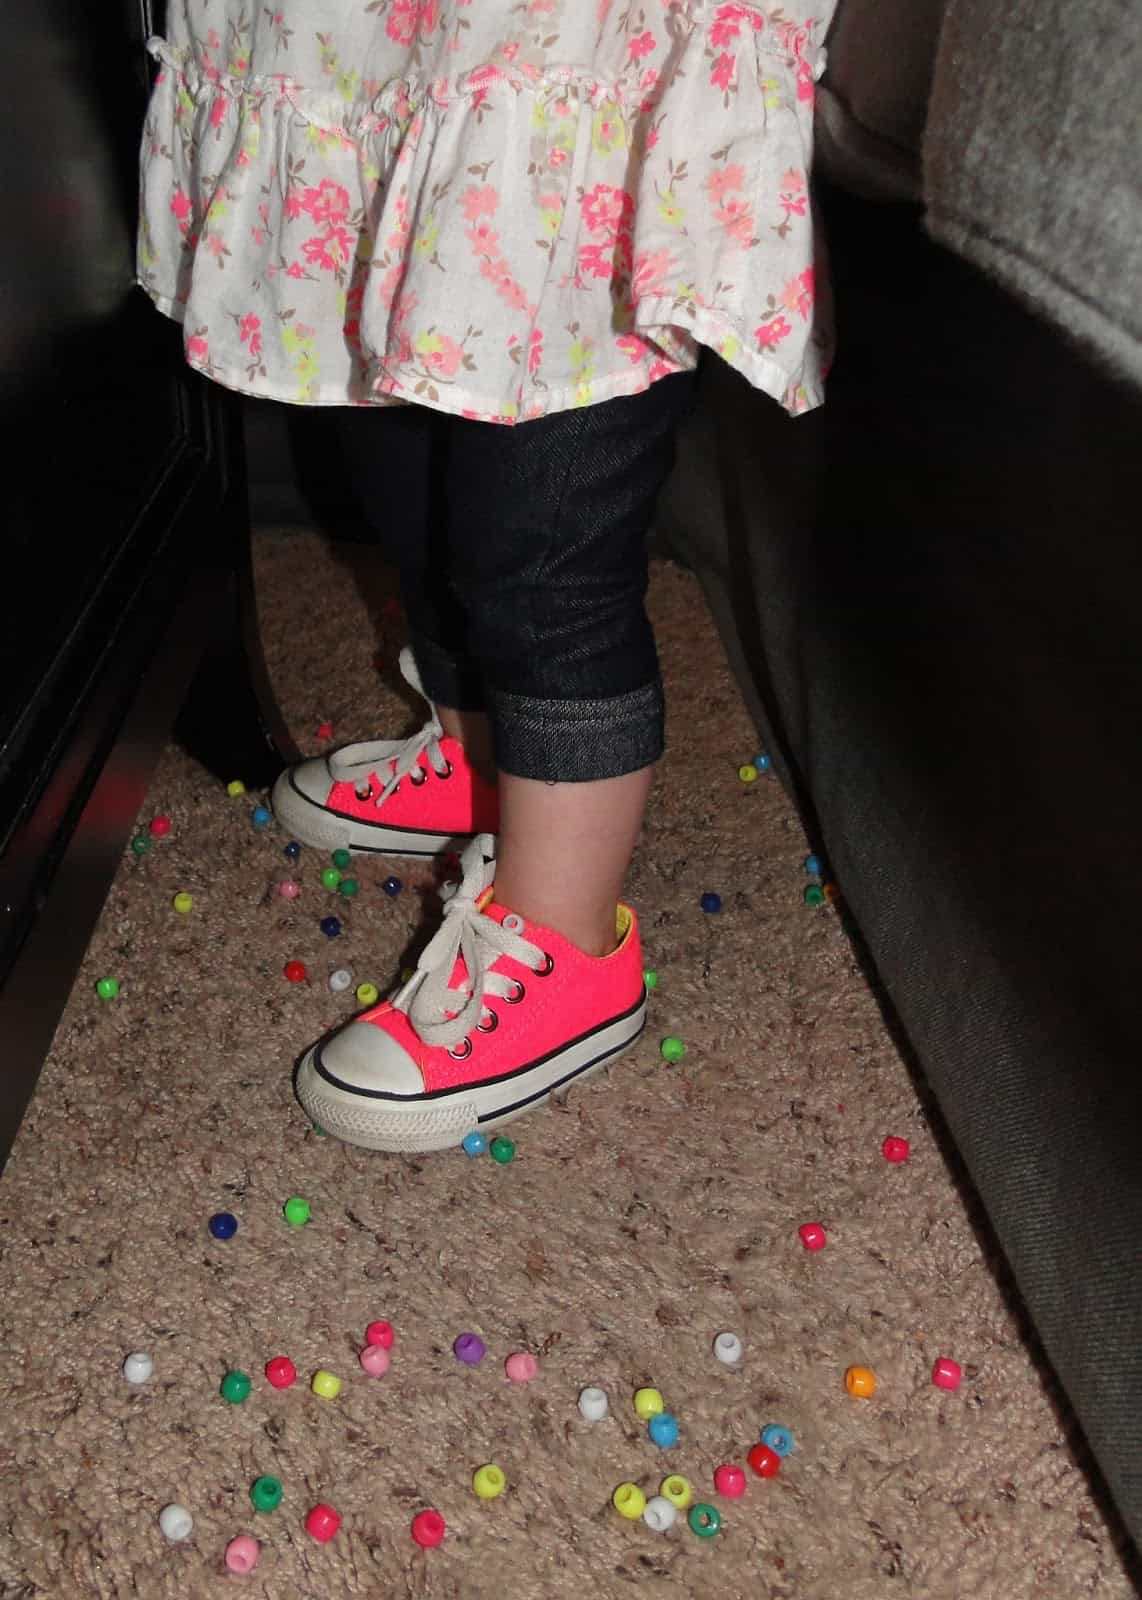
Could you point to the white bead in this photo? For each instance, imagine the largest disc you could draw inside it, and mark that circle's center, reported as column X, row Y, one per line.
column 593, row 1404
column 340, row 980
column 175, row 1523
column 728, row 1348
column 138, row 1367
column 659, row 1513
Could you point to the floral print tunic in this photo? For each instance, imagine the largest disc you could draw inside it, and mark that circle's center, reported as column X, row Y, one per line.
column 497, row 208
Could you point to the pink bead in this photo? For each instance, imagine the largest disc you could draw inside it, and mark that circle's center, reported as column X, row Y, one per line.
column 374, row 1360
column 946, row 1374
column 288, row 889
column 325, row 731
column 322, row 1523
column 281, row 1372
column 812, row 1235
column 730, row 1481
column 242, row 1553
column 160, row 826
column 521, row 1366
column 380, row 1333
column 894, row 1149
column 428, row 1529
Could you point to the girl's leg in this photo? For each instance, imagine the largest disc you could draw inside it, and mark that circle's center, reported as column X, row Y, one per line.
column 395, row 462
column 547, row 550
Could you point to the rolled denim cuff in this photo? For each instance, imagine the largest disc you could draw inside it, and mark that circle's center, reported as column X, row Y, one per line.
column 578, row 741
column 447, row 681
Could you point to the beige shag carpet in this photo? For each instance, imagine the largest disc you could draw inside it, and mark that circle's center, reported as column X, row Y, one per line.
column 658, row 1206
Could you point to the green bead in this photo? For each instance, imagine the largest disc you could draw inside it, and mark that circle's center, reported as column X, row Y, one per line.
column 672, row 1049
column 814, row 895
column 320, row 1132
column 349, row 887
column 296, row 1211
column 266, row 1494
column 704, row 1521
column 331, row 877
column 650, row 978
column 107, row 988
column 235, row 1388
column 140, row 844
column 341, row 858
column 503, row 1150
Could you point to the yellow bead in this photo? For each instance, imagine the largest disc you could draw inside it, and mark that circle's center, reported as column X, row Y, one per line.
column 368, row 994
column 648, row 1403
column 677, row 1490
column 235, row 787
column 183, row 902
column 747, row 774
column 629, row 1501
column 488, row 1481
column 326, row 1385
column 861, row 1382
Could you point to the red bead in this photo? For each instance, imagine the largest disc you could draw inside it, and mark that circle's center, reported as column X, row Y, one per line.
column 322, row 1523
column 946, row 1374
column 281, row 1372
column 380, row 1333
column 730, row 1480
column 894, row 1149
column 160, row 826
column 295, row 971
column 325, row 731
column 428, row 1529
column 764, row 1461
column 812, row 1235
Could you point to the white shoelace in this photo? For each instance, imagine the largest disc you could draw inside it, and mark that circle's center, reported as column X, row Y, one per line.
column 358, row 763
column 441, row 1014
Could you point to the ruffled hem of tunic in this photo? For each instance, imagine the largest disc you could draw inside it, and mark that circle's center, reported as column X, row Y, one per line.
column 234, row 142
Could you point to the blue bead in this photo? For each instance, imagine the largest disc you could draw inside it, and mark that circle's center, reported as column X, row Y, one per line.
column 474, row 1144
column 762, row 763
column 779, row 1440
column 813, row 865
column 330, row 927
column 391, row 886
column 223, row 1225
column 711, row 901
column 261, row 816
column 663, row 1430
column 292, row 850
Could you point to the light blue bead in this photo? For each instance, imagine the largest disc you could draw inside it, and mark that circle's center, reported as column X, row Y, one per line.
column 813, row 865
column 779, row 1439
column 261, row 816
column 762, row 763
column 663, row 1430
column 474, row 1144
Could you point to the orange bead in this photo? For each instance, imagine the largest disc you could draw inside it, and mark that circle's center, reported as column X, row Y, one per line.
column 861, row 1382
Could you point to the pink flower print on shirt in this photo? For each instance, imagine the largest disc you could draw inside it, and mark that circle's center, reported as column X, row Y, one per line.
column 181, row 209
column 722, row 76
column 806, row 88
column 330, row 250
column 485, row 243
column 329, row 202
column 771, row 333
column 197, row 349
column 641, row 45
column 480, row 202
column 797, row 295
column 607, row 209
column 440, row 354
column 250, row 333
column 727, row 23
column 724, row 181
column 731, row 212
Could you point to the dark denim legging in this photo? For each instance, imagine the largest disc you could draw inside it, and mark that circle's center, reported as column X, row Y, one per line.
column 522, row 555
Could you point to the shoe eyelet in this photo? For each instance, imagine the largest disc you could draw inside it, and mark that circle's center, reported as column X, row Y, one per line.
column 459, row 1054
column 492, row 1023
column 418, row 782
column 547, row 967
column 363, row 791
column 512, row 923
column 514, row 999
column 447, row 773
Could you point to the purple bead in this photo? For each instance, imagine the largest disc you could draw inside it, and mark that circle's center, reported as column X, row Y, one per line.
column 469, row 1348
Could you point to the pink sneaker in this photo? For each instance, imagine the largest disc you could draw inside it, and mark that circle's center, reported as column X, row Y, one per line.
column 403, row 797
column 499, row 1014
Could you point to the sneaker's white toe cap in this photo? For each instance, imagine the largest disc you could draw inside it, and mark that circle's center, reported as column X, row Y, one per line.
column 364, row 1058
column 311, row 779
